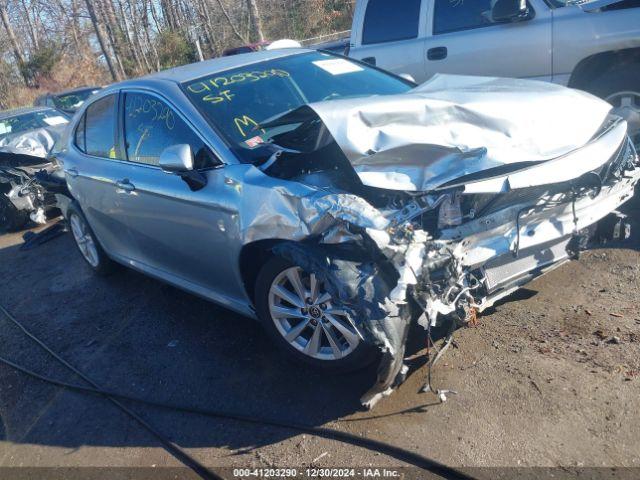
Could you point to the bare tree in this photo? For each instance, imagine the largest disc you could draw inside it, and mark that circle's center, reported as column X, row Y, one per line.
column 256, row 19
column 61, row 42
column 231, row 23
column 15, row 46
column 102, row 40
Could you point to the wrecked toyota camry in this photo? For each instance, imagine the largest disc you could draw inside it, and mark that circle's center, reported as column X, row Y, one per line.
column 337, row 203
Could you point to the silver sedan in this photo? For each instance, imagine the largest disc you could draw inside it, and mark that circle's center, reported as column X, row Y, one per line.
column 338, row 203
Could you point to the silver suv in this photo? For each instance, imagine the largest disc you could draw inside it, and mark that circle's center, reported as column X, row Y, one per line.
column 338, row 203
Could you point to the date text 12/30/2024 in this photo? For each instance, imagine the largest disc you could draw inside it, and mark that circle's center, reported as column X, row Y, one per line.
column 285, row 473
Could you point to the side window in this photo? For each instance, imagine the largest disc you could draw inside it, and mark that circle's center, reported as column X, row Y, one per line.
column 389, row 20
column 99, row 129
column 456, row 15
column 151, row 126
column 79, row 135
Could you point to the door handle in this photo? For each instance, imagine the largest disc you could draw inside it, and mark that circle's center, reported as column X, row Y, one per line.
column 125, row 186
column 72, row 172
column 437, row 53
column 370, row 60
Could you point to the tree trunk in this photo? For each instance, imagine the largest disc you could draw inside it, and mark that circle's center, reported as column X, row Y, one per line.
column 74, row 25
column 256, row 19
column 234, row 29
column 33, row 34
column 17, row 52
column 113, row 33
column 102, row 40
column 133, row 47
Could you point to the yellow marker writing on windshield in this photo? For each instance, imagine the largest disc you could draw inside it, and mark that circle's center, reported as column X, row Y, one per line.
column 245, row 122
column 225, row 95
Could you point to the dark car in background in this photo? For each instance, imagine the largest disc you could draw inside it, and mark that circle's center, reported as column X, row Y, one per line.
column 68, row 101
column 250, row 48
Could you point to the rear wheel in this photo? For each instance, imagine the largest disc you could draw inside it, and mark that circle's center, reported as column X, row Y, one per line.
column 87, row 243
column 306, row 321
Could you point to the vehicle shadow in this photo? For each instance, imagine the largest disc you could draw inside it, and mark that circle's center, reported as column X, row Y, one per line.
column 140, row 337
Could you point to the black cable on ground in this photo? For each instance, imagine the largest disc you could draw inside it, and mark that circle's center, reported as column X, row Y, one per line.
column 399, row 453
column 174, row 450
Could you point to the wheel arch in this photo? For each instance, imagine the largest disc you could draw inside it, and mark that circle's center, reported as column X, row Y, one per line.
column 590, row 68
column 253, row 256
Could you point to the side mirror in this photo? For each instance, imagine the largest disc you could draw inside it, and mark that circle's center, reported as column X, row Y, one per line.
column 509, row 11
column 177, row 159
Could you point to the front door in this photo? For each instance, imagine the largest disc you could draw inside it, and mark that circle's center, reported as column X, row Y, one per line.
column 181, row 234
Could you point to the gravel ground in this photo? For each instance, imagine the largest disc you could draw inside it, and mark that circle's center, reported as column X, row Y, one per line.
column 550, row 378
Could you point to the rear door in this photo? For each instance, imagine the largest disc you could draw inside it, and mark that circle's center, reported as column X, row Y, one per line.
column 93, row 166
column 390, row 35
column 465, row 40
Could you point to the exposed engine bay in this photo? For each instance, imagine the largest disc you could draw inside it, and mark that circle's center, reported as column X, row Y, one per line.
column 25, row 175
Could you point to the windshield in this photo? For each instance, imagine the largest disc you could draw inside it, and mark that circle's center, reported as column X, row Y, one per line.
column 236, row 102
column 31, row 121
column 73, row 101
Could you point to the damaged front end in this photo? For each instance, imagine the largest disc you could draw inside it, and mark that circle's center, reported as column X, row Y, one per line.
column 24, row 192
column 407, row 218
column 28, row 180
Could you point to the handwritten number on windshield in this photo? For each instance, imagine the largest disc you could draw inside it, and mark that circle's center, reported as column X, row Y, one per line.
column 208, row 86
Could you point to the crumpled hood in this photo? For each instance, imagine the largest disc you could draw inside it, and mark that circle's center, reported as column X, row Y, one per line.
column 453, row 126
column 591, row 5
column 36, row 143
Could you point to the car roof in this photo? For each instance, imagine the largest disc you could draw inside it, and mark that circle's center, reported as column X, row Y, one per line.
column 22, row 111
column 210, row 67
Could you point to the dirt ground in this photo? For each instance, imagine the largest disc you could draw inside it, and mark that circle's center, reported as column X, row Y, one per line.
column 550, row 378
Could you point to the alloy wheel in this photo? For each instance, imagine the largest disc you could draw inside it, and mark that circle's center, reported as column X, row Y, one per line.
column 308, row 318
column 84, row 240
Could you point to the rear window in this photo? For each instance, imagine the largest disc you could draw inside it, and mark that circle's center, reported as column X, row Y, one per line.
column 391, row 20
column 96, row 131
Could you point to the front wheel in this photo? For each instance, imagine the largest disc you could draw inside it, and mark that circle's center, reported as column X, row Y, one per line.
column 305, row 321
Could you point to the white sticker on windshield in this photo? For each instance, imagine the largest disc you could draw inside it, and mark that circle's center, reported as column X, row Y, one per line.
column 338, row 66
column 5, row 128
column 52, row 121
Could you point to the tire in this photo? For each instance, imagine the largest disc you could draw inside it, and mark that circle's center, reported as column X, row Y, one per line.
column 620, row 87
column 321, row 316
column 87, row 243
column 11, row 219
